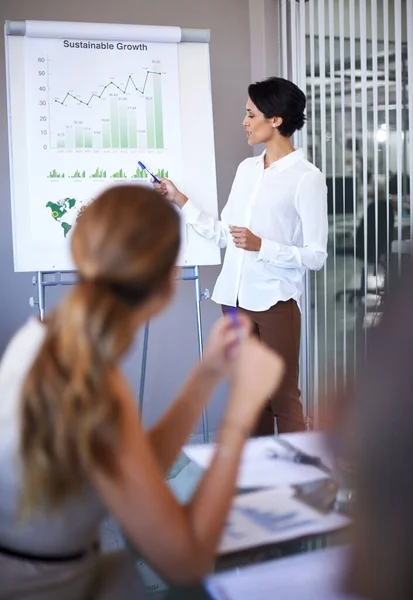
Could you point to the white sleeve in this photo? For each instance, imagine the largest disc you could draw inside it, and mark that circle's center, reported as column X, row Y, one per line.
column 311, row 204
column 206, row 225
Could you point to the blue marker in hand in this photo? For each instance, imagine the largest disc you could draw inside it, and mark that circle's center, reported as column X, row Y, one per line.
column 233, row 313
column 142, row 166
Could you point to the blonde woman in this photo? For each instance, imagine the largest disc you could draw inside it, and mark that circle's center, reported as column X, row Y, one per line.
column 72, row 446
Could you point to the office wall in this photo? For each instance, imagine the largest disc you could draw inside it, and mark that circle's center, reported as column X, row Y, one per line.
column 173, row 337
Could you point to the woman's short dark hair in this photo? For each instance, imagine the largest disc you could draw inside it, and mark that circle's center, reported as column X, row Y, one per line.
column 277, row 97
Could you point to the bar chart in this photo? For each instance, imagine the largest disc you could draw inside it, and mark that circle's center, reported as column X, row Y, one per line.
column 100, row 173
column 119, row 116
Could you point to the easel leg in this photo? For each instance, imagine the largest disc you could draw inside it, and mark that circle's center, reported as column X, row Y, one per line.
column 189, row 273
column 40, row 295
column 198, row 295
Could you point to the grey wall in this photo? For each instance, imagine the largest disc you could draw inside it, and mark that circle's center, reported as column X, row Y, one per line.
column 173, row 338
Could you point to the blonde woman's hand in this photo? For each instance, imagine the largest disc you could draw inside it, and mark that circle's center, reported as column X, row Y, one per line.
column 169, row 190
column 257, row 373
column 223, row 345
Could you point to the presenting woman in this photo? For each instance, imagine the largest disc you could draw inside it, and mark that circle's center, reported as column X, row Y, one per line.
column 274, row 227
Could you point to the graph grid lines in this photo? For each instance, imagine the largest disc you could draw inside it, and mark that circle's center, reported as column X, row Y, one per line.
column 117, row 126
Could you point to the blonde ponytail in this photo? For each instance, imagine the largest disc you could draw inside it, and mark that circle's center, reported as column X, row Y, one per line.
column 125, row 245
column 70, row 416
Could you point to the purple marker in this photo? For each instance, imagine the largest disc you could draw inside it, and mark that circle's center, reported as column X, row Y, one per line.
column 233, row 313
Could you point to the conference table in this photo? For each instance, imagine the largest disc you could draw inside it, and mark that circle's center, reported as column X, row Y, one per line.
column 317, row 575
column 294, row 555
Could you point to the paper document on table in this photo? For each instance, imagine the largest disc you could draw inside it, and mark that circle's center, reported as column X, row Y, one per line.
column 273, row 516
column 310, row 576
column 311, row 442
column 258, row 467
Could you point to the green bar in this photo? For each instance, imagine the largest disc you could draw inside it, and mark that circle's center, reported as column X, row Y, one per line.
column 106, row 134
column 139, row 174
column 142, row 140
column 88, row 139
column 150, row 123
column 114, row 122
column 157, row 87
column 132, row 126
column 119, row 174
column 79, row 137
column 98, row 174
column 61, row 142
column 97, row 140
column 123, row 121
column 70, row 134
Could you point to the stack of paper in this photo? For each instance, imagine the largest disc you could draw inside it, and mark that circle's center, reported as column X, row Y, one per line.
column 273, row 516
column 259, row 468
column 310, row 576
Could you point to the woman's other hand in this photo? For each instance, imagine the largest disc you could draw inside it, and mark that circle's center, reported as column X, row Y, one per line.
column 245, row 239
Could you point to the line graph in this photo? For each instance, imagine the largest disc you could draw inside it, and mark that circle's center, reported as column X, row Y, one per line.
column 111, row 83
column 119, row 114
